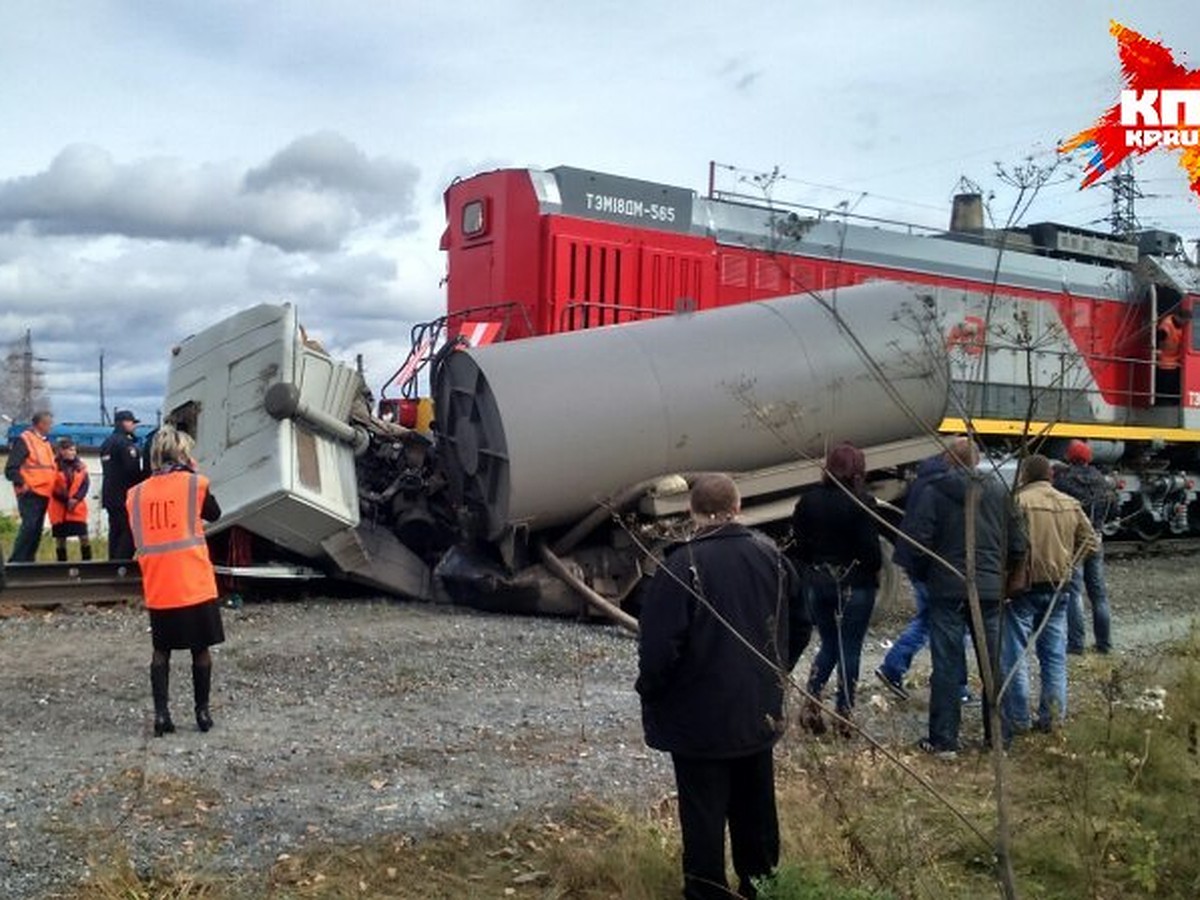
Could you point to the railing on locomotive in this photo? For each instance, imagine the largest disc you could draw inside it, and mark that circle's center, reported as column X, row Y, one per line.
column 435, row 331
column 618, row 313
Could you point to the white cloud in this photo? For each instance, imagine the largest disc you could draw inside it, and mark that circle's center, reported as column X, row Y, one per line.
column 311, row 195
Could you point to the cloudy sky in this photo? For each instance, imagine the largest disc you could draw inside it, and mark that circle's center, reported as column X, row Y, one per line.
column 164, row 164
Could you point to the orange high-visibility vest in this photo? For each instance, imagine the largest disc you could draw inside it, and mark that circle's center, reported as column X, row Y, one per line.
column 164, row 516
column 1170, row 344
column 38, row 469
column 67, row 484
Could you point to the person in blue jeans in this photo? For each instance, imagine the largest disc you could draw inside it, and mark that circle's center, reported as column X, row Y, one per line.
column 940, row 524
column 1060, row 536
column 1090, row 575
column 837, row 550
column 1090, row 487
column 912, row 640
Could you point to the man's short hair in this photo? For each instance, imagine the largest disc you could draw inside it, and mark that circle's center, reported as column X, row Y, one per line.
column 962, row 451
column 65, row 443
column 1035, row 468
column 715, row 495
column 41, row 416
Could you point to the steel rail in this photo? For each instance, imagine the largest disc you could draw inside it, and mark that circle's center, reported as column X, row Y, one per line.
column 1165, row 546
column 54, row 584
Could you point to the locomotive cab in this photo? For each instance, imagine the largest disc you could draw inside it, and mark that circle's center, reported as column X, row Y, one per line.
column 1171, row 293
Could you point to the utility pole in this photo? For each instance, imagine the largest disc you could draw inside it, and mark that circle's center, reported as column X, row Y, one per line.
column 103, row 404
column 27, row 377
column 23, row 380
column 1125, row 193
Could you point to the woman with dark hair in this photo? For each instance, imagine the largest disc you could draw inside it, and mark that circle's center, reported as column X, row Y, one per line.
column 837, row 550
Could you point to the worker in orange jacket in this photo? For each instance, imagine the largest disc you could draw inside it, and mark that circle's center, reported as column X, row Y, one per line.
column 1169, row 355
column 68, row 502
column 31, row 469
column 165, row 513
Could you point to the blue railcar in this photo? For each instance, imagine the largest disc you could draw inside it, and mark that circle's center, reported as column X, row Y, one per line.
column 87, row 435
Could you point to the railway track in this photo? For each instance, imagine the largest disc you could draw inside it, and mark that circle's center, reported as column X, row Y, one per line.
column 53, row 584
column 1125, row 549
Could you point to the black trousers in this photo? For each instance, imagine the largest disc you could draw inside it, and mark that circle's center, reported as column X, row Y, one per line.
column 120, row 538
column 32, row 508
column 711, row 792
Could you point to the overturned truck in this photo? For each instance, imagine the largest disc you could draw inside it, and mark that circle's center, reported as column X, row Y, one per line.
column 555, row 466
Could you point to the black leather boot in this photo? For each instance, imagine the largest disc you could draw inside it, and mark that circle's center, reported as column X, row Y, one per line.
column 201, row 683
column 160, row 675
column 60, row 552
column 85, row 551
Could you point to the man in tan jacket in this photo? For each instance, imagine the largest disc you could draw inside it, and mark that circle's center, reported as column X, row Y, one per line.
column 1060, row 536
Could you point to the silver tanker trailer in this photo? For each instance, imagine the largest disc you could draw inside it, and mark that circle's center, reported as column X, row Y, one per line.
column 540, row 446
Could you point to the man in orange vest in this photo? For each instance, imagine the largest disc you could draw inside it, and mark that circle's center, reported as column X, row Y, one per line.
column 68, row 502
column 31, row 469
column 1169, row 356
column 165, row 513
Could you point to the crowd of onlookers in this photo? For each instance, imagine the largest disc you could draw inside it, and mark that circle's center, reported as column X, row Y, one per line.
column 1030, row 553
column 996, row 569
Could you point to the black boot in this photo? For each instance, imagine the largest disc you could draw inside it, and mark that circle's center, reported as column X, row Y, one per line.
column 160, row 674
column 85, row 552
column 60, row 553
column 201, row 683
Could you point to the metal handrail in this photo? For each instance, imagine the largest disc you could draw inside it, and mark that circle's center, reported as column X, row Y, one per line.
column 434, row 329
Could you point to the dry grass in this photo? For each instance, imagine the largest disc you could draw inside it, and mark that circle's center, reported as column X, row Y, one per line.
column 1108, row 808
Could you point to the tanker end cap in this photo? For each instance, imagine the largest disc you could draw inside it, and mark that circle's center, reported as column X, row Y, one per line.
column 282, row 400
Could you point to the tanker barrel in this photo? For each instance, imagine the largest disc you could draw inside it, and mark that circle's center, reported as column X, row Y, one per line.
column 537, row 432
column 283, row 401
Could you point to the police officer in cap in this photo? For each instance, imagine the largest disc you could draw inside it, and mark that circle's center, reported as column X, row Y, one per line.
column 121, row 460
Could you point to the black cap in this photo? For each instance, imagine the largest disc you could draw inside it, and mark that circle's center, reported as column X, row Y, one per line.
column 125, row 415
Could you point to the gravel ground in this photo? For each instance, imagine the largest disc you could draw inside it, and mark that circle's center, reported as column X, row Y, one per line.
column 341, row 720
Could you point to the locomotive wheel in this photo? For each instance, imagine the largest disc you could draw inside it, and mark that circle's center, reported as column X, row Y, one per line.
column 1147, row 528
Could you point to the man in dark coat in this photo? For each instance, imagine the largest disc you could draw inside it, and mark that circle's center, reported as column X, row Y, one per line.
column 915, row 636
column 121, row 461
column 722, row 623
column 940, row 525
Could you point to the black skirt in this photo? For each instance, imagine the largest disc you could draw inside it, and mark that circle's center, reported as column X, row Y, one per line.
column 187, row 627
column 69, row 529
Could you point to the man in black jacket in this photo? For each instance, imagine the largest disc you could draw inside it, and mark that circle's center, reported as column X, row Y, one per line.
column 722, row 623
column 121, row 462
column 1087, row 484
column 940, row 525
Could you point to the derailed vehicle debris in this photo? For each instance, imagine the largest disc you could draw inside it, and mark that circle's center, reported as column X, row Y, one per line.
column 545, row 479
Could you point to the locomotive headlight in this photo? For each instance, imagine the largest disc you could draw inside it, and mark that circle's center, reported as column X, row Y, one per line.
column 474, row 218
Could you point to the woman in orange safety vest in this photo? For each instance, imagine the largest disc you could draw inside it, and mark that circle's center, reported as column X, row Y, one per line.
column 68, row 502
column 165, row 513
